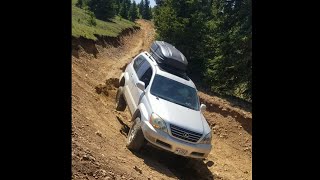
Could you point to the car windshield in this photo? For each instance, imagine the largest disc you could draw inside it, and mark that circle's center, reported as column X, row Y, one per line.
column 175, row 92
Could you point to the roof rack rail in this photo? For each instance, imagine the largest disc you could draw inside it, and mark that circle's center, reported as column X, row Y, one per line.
column 149, row 56
column 174, row 72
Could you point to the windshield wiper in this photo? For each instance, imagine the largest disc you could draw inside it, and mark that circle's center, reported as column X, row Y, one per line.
column 160, row 97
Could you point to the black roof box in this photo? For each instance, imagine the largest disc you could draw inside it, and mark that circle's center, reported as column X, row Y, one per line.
column 167, row 56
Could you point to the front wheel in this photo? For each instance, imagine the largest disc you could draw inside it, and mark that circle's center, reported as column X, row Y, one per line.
column 135, row 140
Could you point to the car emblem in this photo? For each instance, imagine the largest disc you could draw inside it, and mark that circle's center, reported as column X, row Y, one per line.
column 186, row 135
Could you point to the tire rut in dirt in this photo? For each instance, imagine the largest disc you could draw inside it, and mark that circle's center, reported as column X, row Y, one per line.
column 124, row 127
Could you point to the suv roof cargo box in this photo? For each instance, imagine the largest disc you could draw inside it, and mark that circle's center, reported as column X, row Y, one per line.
column 167, row 56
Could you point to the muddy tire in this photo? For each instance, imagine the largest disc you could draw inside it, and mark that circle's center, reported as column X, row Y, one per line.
column 135, row 139
column 120, row 101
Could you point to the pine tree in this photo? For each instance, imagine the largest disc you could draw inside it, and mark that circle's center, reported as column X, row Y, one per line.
column 133, row 11
column 92, row 19
column 159, row 2
column 128, row 2
column 150, row 11
column 117, row 7
column 141, row 9
column 102, row 9
column 79, row 3
column 147, row 12
column 123, row 10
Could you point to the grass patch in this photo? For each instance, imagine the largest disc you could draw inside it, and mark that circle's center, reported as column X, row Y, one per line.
column 81, row 25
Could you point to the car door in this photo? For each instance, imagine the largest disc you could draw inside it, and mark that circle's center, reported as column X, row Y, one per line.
column 132, row 68
column 143, row 73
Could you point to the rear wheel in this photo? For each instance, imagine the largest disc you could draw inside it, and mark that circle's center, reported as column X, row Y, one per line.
column 135, row 139
column 120, row 101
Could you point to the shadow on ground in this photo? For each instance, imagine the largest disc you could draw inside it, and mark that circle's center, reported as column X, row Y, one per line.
column 173, row 165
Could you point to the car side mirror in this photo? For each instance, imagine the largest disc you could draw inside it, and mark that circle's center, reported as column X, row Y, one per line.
column 203, row 107
column 141, row 85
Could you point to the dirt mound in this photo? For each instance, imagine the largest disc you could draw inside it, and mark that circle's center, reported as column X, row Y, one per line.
column 110, row 85
column 113, row 82
column 102, row 89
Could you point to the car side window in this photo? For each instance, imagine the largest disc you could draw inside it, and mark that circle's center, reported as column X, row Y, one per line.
column 137, row 62
column 146, row 77
column 143, row 68
column 145, row 72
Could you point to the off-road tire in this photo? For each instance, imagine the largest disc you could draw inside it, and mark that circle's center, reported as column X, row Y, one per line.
column 135, row 139
column 120, row 101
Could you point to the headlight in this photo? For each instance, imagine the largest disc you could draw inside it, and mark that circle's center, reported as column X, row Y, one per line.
column 157, row 122
column 206, row 139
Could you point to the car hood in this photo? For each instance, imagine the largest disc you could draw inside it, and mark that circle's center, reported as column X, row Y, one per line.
column 179, row 115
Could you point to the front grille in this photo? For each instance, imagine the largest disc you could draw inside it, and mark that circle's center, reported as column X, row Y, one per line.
column 163, row 143
column 184, row 134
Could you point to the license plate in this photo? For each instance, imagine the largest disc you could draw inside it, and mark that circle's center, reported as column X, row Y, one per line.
column 181, row 151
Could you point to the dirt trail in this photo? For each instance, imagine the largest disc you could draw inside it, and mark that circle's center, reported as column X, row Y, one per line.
column 99, row 131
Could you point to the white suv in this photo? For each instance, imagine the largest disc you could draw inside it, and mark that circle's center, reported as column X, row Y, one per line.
column 165, row 109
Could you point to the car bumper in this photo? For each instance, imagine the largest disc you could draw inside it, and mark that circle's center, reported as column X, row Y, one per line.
column 167, row 142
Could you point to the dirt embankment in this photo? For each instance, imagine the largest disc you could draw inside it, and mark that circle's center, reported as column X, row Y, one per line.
column 91, row 47
column 99, row 131
column 227, row 108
